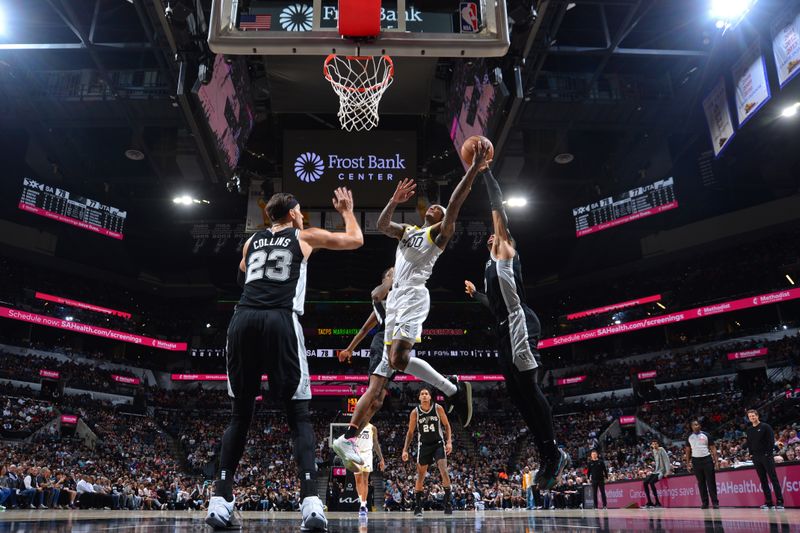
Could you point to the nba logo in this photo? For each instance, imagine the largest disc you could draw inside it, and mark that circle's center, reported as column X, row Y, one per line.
column 469, row 17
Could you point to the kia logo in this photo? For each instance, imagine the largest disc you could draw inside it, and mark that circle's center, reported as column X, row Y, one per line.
column 309, row 167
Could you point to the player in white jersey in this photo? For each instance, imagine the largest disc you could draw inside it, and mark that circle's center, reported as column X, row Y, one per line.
column 367, row 446
column 409, row 302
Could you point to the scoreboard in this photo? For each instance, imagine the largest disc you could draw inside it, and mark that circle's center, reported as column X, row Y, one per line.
column 631, row 205
column 58, row 204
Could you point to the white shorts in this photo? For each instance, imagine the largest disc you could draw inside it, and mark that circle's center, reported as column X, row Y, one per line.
column 367, row 458
column 406, row 311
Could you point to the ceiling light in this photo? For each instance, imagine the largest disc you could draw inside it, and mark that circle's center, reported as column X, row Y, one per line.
column 790, row 279
column 660, row 305
column 565, row 158
column 133, row 154
column 730, row 10
column 618, row 322
column 68, row 318
column 790, row 111
column 516, row 201
column 208, row 325
column 183, row 200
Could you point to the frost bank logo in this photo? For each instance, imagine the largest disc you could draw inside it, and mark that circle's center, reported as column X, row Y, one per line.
column 309, row 167
column 297, row 17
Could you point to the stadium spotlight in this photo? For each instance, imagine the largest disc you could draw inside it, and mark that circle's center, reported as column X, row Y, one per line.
column 790, row 111
column 208, row 324
column 729, row 12
column 790, row 279
column 516, row 201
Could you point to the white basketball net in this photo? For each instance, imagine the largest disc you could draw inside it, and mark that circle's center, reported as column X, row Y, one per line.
column 360, row 83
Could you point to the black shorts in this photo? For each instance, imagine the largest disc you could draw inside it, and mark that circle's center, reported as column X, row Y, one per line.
column 267, row 341
column 428, row 454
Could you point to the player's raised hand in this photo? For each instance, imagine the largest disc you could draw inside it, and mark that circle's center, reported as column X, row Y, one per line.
column 405, row 190
column 481, row 153
column 404, row 456
column 469, row 288
column 343, row 199
column 345, row 355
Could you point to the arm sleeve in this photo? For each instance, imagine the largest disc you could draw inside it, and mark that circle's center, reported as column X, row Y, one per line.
column 482, row 299
column 495, row 195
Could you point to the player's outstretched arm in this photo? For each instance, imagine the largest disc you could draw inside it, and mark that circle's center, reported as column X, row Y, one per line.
column 412, row 424
column 448, row 435
column 472, row 292
column 503, row 245
column 460, row 193
column 350, row 239
column 346, row 354
column 405, row 190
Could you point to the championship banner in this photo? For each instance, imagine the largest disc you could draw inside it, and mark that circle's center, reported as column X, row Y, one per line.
column 750, row 83
column 747, row 354
column 786, row 43
column 257, row 218
column 718, row 116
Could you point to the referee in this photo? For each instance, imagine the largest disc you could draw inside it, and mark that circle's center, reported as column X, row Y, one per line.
column 702, row 459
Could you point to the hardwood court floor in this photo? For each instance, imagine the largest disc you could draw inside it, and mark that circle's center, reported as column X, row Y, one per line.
column 615, row 520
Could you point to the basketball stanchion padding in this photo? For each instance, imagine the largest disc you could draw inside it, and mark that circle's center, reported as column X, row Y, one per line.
column 359, row 18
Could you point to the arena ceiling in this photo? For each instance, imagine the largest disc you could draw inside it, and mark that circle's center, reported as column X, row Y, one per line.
column 617, row 84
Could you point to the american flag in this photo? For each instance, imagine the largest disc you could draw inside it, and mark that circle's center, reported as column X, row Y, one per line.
column 255, row 22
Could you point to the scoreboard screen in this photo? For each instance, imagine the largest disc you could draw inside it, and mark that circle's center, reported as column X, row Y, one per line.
column 57, row 204
column 631, row 205
column 350, row 404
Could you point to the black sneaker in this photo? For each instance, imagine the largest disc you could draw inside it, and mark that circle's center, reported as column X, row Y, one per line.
column 715, row 506
column 704, row 506
column 417, row 511
column 552, row 474
column 448, row 509
column 461, row 402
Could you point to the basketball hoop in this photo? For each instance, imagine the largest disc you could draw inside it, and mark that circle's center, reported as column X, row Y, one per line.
column 359, row 82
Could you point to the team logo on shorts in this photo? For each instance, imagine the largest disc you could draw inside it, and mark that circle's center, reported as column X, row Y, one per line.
column 309, row 167
column 297, row 17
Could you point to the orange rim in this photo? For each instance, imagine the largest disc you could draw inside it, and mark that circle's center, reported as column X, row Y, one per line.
column 375, row 87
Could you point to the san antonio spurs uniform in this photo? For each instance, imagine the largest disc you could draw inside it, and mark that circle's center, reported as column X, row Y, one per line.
column 265, row 335
column 408, row 303
column 430, row 437
column 364, row 446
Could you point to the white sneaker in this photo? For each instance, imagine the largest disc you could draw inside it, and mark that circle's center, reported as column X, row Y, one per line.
column 313, row 515
column 347, row 452
column 220, row 514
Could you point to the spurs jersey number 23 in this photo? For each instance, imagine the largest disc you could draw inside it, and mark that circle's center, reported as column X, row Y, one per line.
column 415, row 257
column 275, row 271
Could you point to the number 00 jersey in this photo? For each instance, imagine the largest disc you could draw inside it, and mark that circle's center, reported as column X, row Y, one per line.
column 429, row 427
column 275, row 271
column 415, row 257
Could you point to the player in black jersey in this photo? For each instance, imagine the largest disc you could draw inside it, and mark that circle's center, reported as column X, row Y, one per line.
column 377, row 384
column 434, row 444
column 518, row 330
column 265, row 335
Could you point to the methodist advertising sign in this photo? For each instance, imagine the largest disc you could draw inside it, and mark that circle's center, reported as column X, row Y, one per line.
column 370, row 164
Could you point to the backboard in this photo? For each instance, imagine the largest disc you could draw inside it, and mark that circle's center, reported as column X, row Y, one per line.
column 432, row 28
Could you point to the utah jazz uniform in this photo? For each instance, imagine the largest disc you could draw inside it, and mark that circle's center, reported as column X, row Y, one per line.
column 364, row 446
column 265, row 335
column 409, row 302
column 430, row 438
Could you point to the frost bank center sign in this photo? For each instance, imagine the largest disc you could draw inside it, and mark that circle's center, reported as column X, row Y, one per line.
column 316, row 162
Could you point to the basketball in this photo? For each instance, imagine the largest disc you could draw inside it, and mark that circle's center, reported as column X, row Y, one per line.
column 468, row 148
